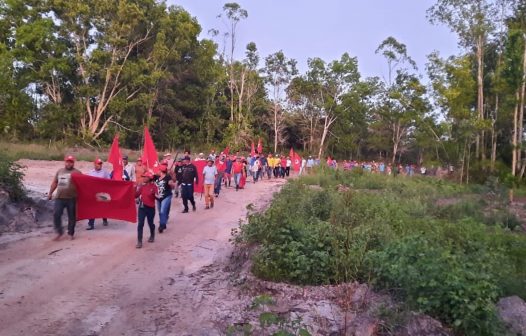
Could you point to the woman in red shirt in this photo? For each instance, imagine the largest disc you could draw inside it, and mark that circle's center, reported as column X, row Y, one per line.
column 147, row 194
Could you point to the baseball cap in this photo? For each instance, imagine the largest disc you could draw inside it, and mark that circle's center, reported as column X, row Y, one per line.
column 98, row 161
column 187, row 158
column 210, row 160
column 69, row 158
column 147, row 174
column 125, row 157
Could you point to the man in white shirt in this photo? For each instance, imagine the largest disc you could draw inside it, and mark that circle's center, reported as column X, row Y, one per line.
column 209, row 176
column 100, row 173
column 128, row 168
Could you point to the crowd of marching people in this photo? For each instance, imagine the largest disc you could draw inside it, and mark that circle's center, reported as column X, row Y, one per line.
column 173, row 178
column 178, row 178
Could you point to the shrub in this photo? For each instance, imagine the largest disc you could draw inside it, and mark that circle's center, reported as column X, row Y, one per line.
column 11, row 178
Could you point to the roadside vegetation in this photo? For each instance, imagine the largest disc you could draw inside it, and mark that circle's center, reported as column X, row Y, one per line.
column 443, row 249
column 11, row 178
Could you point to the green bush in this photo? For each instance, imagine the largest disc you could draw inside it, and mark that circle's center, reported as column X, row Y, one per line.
column 11, row 178
column 452, row 262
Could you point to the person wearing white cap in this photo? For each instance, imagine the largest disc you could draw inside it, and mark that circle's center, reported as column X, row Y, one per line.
column 200, row 157
column 98, row 171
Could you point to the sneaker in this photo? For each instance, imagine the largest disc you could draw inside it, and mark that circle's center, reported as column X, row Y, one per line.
column 185, row 211
column 150, row 240
column 105, row 223
column 161, row 230
column 139, row 245
column 90, row 228
column 207, row 207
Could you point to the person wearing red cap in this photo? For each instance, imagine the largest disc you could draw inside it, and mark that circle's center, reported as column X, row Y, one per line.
column 165, row 184
column 238, row 169
column 146, row 192
column 101, row 173
column 65, row 197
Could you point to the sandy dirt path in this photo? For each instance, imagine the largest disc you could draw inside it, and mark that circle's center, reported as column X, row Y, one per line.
column 99, row 284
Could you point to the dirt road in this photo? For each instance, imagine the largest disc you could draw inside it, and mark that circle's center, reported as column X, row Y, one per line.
column 99, row 284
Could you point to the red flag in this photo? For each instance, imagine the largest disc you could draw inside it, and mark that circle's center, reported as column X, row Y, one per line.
column 101, row 198
column 252, row 150
column 260, row 146
column 200, row 165
column 296, row 162
column 115, row 159
column 291, row 154
column 226, row 151
column 150, row 158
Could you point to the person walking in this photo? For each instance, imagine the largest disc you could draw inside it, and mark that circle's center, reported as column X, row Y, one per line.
column 221, row 166
column 188, row 178
column 65, row 197
column 228, row 171
column 255, row 168
column 139, row 169
column 209, row 176
column 237, row 170
column 287, row 166
column 100, row 173
column 164, row 184
column 146, row 192
column 129, row 169
column 178, row 177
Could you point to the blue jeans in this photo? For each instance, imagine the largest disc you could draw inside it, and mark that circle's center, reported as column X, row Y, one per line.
column 218, row 182
column 237, row 179
column 145, row 212
column 164, row 211
column 70, row 205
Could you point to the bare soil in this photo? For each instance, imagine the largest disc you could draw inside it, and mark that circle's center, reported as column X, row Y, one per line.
column 99, row 284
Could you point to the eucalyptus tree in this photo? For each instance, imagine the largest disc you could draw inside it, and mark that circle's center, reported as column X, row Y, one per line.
column 279, row 71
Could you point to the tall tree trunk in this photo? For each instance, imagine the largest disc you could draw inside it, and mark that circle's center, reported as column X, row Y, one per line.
column 494, row 135
column 275, row 127
column 514, row 136
column 479, row 150
column 521, row 106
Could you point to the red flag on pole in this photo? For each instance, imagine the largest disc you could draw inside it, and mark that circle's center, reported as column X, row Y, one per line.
column 101, row 198
column 115, row 158
column 226, row 151
column 150, row 158
column 260, row 146
column 296, row 162
column 291, row 154
column 200, row 186
column 252, row 150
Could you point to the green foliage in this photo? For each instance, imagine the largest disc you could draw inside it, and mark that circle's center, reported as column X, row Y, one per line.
column 445, row 250
column 11, row 178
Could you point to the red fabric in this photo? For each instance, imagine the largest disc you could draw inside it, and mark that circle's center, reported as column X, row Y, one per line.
column 147, row 193
column 252, row 150
column 101, row 198
column 242, row 181
column 226, row 151
column 237, row 167
column 283, row 163
column 150, row 158
column 200, row 165
column 296, row 162
column 291, row 153
column 115, row 159
column 260, row 146
column 221, row 166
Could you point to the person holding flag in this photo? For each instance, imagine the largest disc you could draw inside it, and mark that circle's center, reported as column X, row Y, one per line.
column 65, row 197
column 165, row 184
column 146, row 193
column 99, row 172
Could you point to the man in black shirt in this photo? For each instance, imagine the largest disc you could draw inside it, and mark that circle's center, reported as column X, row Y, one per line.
column 189, row 176
column 178, row 176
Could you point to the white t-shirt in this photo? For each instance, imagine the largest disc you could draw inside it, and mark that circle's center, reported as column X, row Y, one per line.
column 209, row 174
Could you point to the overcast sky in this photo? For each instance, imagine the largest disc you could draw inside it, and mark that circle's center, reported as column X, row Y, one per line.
column 326, row 29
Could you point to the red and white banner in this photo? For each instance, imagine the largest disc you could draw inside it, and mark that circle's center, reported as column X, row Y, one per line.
column 102, row 198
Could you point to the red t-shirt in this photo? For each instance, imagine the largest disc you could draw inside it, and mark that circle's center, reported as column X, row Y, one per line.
column 221, row 166
column 147, row 194
column 237, row 167
column 283, row 163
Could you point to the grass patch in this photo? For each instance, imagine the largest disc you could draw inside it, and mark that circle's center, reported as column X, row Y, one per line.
column 451, row 261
